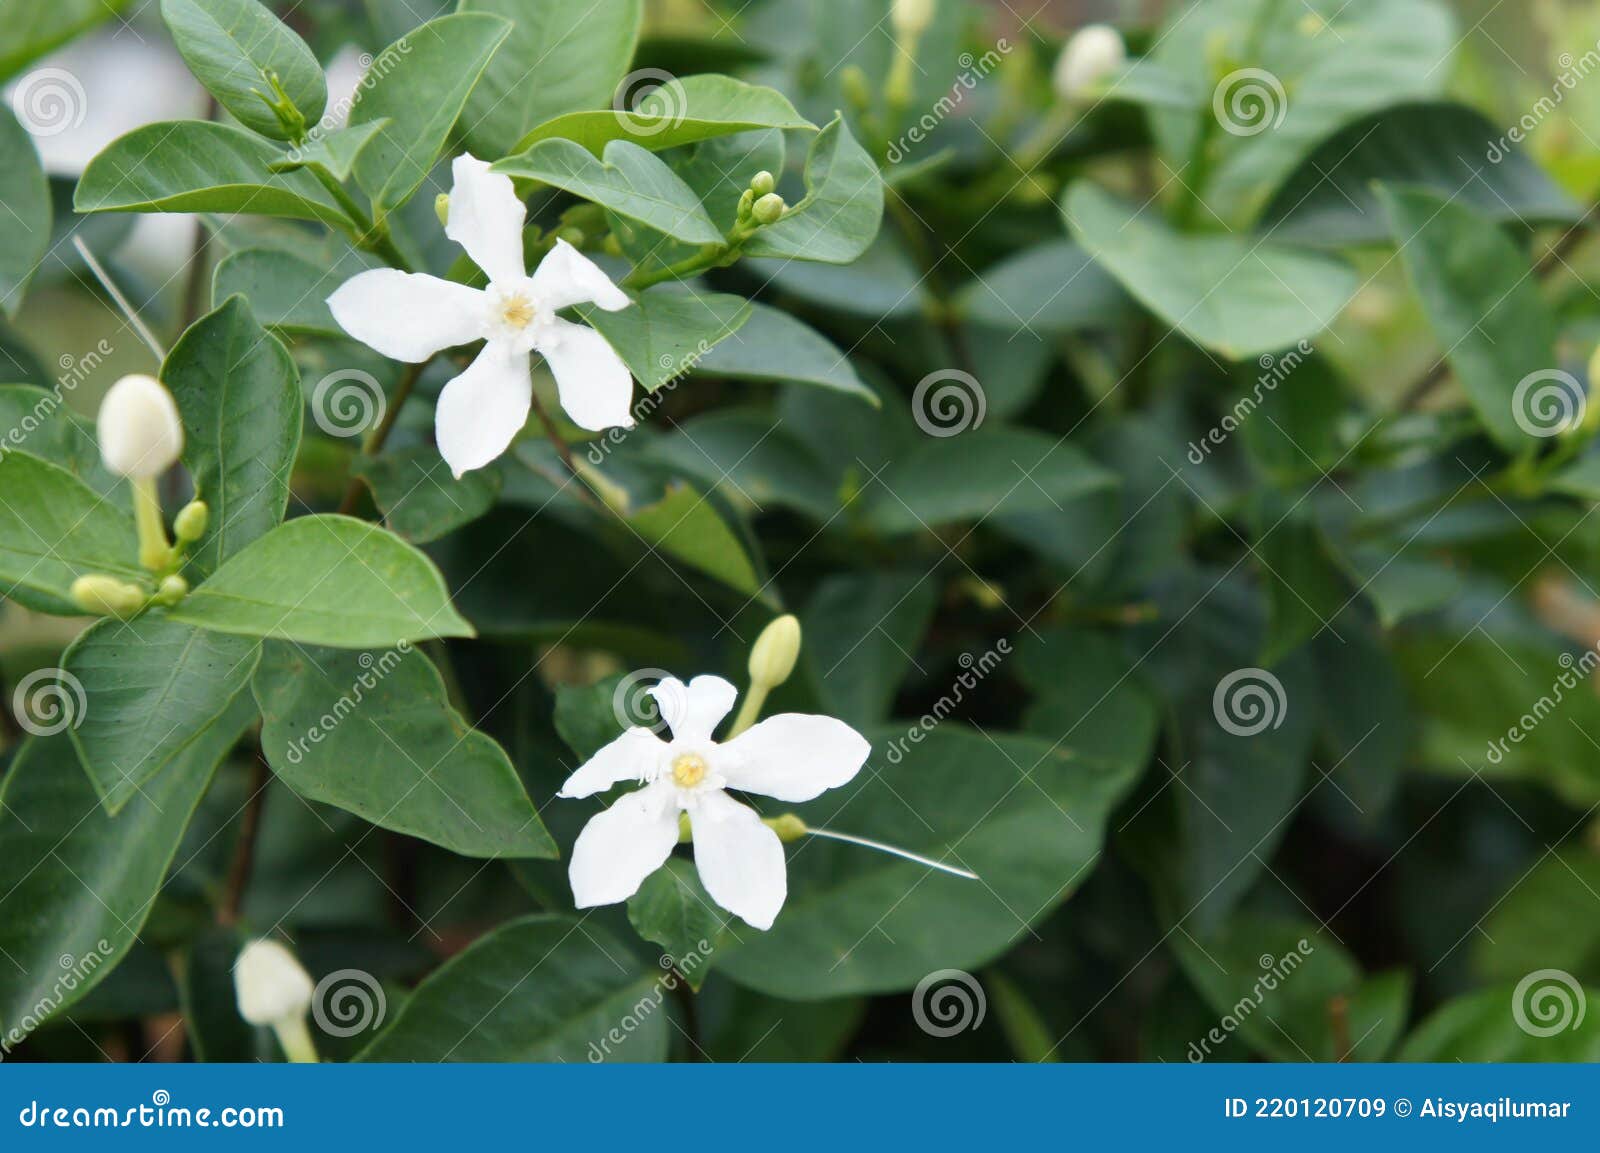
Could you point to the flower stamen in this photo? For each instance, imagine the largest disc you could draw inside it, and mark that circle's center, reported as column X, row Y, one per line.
column 688, row 770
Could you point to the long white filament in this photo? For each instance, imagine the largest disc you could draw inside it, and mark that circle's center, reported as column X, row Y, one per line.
column 893, row 852
column 115, row 293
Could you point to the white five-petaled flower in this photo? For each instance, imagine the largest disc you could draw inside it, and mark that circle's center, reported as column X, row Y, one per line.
column 411, row 315
column 790, row 757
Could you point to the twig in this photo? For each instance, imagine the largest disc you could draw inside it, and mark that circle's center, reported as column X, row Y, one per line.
column 244, row 849
column 380, row 435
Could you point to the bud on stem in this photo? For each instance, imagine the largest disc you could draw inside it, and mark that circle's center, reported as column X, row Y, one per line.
column 772, row 659
column 274, row 990
column 106, row 596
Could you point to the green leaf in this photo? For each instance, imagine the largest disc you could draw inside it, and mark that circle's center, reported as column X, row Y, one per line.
column 559, row 58
column 25, row 225
column 236, row 48
column 666, row 331
column 1330, row 201
column 749, row 460
column 335, row 152
column 55, row 529
column 1482, row 304
column 684, row 525
column 29, row 29
column 843, row 206
column 432, row 71
column 154, row 687
column 1325, row 63
column 198, row 166
column 41, row 423
column 978, row 474
column 1305, row 587
column 1483, row 1027
column 326, row 580
column 673, row 910
column 1542, row 921
column 681, row 111
column 239, row 395
column 1293, row 992
column 420, row 499
column 77, row 883
column 544, row 988
column 772, row 345
column 630, row 181
column 1053, row 287
column 1027, row 816
column 373, row 734
column 1237, row 295
column 1086, row 690
column 209, row 1000
column 862, row 630
column 286, row 292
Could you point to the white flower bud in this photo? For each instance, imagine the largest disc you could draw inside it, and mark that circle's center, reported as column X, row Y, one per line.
column 911, row 17
column 1093, row 53
column 773, row 655
column 140, row 432
column 271, row 985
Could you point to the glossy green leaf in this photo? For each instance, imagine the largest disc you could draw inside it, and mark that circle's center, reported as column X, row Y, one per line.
column 673, row 910
column 1027, row 816
column 29, row 29
column 1232, row 293
column 326, row 580
column 772, row 345
column 286, row 292
column 25, row 225
column 77, row 883
column 1542, row 921
column 239, row 395
column 431, row 72
column 862, row 631
column 42, row 423
column 237, row 49
column 1330, row 201
column 55, row 529
column 420, row 499
column 1484, row 1026
column 374, row 734
column 544, row 988
column 154, row 687
column 749, row 460
column 335, row 151
column 559, row 58
column 1485, row 309
column 842, row 208
column 1052, row 287
column 667, row 331
column 681, row 111
column 198, row 166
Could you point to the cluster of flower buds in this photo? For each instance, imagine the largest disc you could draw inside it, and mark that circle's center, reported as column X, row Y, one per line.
column 759, row 204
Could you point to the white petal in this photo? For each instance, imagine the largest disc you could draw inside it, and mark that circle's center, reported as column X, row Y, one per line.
column 408, row 315
column 622, row 846
column 793, row 756
column 486, row 218
column 481, row 411
column 740, row 859
column 595, row 386
column 628, row 758
column 693, row 711
column 566, row 277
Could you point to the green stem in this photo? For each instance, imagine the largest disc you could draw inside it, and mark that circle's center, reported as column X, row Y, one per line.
column 295, row 1037
column 754, row 699
column 155, row 550
column 366, row 233
column 711, row 256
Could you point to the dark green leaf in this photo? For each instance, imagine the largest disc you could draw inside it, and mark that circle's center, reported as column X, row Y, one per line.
column 55, row 529
column 25, row 225
column 420, row 499
column 843, row 205
column 236, row 48
column 666, row 331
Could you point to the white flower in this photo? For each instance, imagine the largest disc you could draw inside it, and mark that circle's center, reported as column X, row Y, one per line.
column 1094, row 53
column 411, row 315
column 140, row 432
column 271, row 985
column 791, row 757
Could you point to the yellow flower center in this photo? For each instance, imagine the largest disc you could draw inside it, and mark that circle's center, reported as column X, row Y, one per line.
column 517, row 311
column 688, row 770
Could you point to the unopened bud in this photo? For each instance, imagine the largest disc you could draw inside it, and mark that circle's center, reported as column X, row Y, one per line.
column 105, row 596
column 140, row 432
column 762, row 183
column 1093, row 53
column 911, row 17
column 441, row 208
column 191, row 521
column 572, row 234
column 788, row 827
column 773, row 656
column 272, row 987
column 855, row 88
column 173, row 589
column 769, row 209
column 747, row 199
